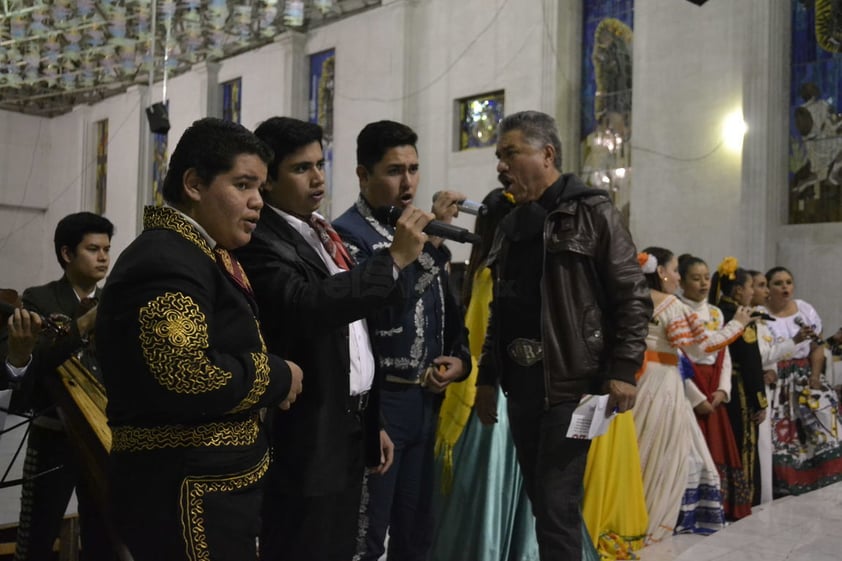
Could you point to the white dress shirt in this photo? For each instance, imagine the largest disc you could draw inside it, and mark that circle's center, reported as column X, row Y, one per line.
column 359, row 343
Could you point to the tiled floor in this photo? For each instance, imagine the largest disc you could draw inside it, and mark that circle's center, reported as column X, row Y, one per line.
column 807, row 527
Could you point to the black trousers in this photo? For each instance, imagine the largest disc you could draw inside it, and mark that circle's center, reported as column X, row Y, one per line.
column 174, row 506
column 50, row 474
column 401, row 499
column 315, row 528
column 553, row 468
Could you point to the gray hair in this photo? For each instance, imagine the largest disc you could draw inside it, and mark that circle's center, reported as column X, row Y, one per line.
column 539, row 129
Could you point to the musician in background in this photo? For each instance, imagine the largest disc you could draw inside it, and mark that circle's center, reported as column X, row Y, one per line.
column 82, row 242
column 186, row 369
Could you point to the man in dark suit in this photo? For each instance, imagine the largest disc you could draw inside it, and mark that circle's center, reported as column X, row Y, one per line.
column 82, row 242
column 313, row 303
column 185, row 366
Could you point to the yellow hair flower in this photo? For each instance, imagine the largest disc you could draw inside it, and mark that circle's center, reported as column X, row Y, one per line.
column 728, row 268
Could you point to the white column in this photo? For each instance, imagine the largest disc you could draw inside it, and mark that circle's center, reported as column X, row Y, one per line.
column 144, row 154
column 293, row 48
column 87, row 144
column 207, row 73
column 765, row 108
column 568, row 72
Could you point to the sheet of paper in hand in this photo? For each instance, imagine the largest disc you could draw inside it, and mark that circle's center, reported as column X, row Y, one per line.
column 589, row 419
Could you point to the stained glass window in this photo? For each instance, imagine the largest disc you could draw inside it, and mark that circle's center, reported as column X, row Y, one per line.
column 815, row 124
column 101, row 180
column 479, row 118
column 231, row 98
column 322, row 84
column 159, row 167
column 606, row 97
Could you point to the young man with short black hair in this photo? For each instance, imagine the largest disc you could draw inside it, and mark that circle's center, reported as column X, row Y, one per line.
column 185, row 365
column 51, row 471
column 314, row 302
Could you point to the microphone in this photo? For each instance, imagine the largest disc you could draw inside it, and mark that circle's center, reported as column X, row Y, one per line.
column 466, row 206
column 390, row 214
column 762, row 315
column 799, row 321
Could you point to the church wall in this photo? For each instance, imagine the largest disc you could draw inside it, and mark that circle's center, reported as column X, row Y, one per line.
column 690, row 193
column 24, row 195
column 462, row 49
column 410, row 61
column 48, row 167
column 369, row 84
column 687, row 76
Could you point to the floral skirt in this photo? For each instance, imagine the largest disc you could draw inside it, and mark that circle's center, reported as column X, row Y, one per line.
column 807, row 453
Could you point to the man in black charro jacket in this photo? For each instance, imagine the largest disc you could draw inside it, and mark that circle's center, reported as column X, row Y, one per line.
column 185, row 365
column 314, row 303
column 569, row 317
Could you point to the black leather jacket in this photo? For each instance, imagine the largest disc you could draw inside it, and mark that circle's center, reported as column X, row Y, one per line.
column 596, row 305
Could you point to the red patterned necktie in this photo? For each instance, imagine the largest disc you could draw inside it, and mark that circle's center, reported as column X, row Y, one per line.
column 331, row 242
column 233, row 269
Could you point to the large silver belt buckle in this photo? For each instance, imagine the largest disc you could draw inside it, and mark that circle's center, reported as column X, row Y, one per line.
column 525, row 352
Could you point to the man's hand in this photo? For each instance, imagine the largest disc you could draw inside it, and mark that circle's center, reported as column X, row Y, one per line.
column 409, row 236
column 387, row 454
column 717, row 398
column 295, row 387
column 485, row 404
column 444, row 208
column 447, row 369
column 759, row 417
column 621, row 396
column 24, row 328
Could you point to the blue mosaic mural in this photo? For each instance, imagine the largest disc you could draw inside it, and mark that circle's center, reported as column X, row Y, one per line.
column 232, row 95
column 322, row 84
column 606, row 97
column 815, row 124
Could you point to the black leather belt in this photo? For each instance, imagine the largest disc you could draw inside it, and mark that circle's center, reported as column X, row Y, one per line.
column 358, row 403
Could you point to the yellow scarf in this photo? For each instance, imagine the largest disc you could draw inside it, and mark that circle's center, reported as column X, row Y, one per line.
column 459, row 399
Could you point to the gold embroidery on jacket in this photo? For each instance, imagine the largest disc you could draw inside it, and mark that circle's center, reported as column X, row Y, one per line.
column 174, row 340
column 261, row 381
column 750, row 334
column 223, row 433
column 170, row 219
column 191, row 501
